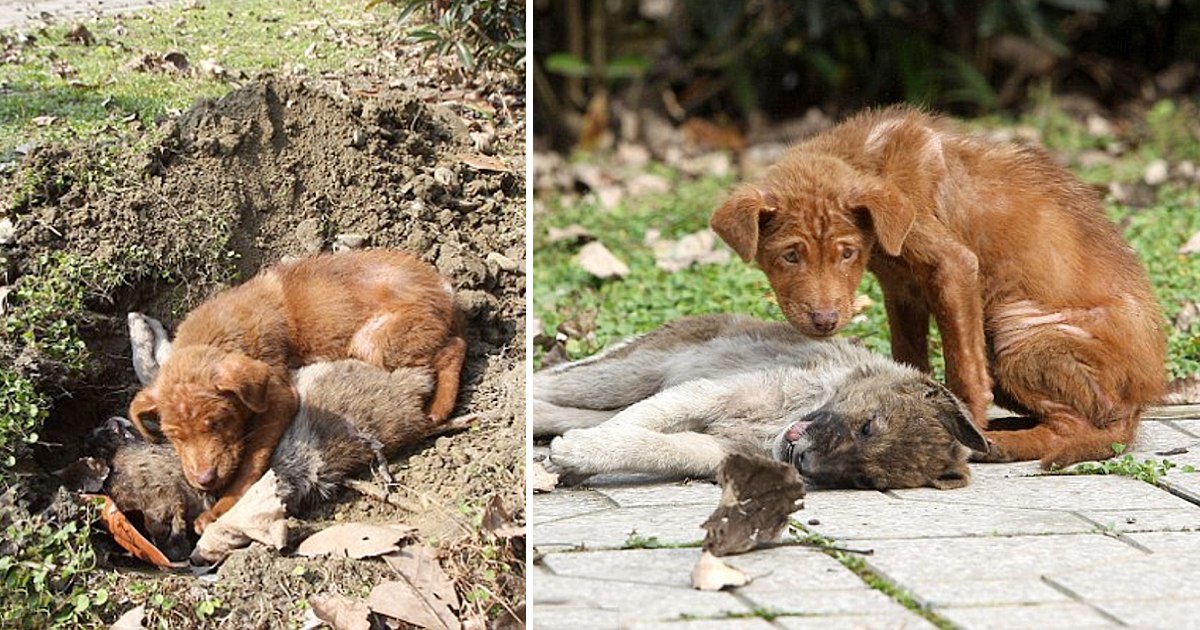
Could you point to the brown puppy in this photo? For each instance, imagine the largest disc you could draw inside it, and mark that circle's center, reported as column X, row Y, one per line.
column 224, row 397
column 1031, row 286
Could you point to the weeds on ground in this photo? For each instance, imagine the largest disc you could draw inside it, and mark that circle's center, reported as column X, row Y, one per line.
column 481, row 33
column 1147, row 470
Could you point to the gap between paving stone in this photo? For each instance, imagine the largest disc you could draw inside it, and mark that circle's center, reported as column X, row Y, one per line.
column 1080, row 599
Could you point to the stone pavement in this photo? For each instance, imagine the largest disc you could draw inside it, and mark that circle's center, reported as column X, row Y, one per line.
column 1015, row 549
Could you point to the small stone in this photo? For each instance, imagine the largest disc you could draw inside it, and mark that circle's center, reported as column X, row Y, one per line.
column 8, row 232
column 1186, row 170
column 814, row 521
column 348, row 241
column 308, row 232
column 1098, row 125
column 504, row 262
column 1157, row 172
column 358, row 139
column 446, row 177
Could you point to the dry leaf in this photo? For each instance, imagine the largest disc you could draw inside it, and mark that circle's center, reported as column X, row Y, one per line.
column 81, row 35
column 697, row 248
column 483, row 162
column 598, row 261
column 1192, row 246
column 757, row 497
column 542, row 480
column 420, row 567
column 1184, row 390
column 1188, row 315
column 355, row 540
column 573, row 232
column 711, row 574
column 498, row 521
column 862, row 303
column 400, row 600
column 44, row 121
column 340, row 612
column 131, row 620
column 259, row 516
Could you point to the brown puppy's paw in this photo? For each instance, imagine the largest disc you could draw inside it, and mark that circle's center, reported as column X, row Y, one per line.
column 204, row 520
column 994, row 455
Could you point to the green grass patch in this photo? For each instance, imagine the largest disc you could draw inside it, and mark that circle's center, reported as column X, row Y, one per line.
column 859, row 566
column 1147, row 470
column 96, row 90
column 649, row 297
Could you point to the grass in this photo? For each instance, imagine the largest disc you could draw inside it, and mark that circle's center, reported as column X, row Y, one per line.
column 648, row 296
column 94, row 90
column 859, row 567
column 1147, row 470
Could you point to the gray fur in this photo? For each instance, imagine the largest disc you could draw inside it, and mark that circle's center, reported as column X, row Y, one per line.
column 680, row 399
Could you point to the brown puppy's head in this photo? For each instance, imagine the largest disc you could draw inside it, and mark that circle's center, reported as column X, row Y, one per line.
column 879, row 434
column 811, row 227
column 202, row 401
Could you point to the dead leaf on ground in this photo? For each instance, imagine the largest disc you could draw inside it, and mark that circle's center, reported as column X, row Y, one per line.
column 542, row 480
column 420, row 566
column 757, row 497
column 355, row 540
column 81, row 35
column 1192, row 246
column 497, row 520
column 1188, row 315
column 1184, row 390
column 862, row 303
column 598, row 261
column 711, row 574
column 574, row 232
column 483, row 162
column 400, row 600
column 44, row 121
column 258, row 516
column 699, row 248
column 340, row 612
column 131, row 620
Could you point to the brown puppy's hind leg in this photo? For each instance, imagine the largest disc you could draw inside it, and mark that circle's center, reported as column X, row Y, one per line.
column 412, row 336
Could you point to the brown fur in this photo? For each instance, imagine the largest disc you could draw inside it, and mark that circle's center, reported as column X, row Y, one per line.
column 224, row 397
column 351, row 414
column 1032, row 288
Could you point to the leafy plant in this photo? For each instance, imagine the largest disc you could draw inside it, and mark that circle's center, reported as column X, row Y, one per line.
column 44, row 566
column 1148, row 470
column 22, row 412
column 480, row 33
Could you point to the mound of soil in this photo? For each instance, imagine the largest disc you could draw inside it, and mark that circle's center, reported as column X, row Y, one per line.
column 286, row 168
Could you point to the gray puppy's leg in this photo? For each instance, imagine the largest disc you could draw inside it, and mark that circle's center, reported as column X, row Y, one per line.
column 551, row 419
column 149, row 344
column 656, row 435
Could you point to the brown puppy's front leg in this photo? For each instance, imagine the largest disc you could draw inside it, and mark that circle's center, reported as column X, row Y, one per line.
column 948, row 272
column 907, row 312
column 261, row 439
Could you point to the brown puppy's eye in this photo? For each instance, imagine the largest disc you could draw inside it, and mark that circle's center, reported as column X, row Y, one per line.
column 848, row 253
column 791, row 257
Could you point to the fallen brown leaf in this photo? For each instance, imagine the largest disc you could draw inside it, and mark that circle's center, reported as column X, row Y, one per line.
column 340, row 612
column 131, row 619
column 1192, row 246
column 598, row 261
column 355, row 540
column 258, row 516
column 573, row 232
column 711, row 574
column 1184, row 390
column 498, row 521
column 698, row 248
column 419, row 565
column 401, row 600
column 542, row 480
column 80, row 34
column 483, row 162
column 757, row 497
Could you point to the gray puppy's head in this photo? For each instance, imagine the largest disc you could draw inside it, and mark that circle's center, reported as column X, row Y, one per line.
column 884, row 431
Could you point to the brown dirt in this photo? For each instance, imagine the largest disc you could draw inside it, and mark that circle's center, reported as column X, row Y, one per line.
column 284, row 168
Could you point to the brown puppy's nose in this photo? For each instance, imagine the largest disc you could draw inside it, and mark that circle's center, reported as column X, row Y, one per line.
column 824, row 321
column 206, row 477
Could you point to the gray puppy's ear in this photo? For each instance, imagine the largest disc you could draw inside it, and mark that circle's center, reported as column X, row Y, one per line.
column 957, row 418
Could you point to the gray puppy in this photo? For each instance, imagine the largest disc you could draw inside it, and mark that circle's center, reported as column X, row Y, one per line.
column 680, row 399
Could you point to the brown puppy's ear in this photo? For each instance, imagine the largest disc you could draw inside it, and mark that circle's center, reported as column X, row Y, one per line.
column 736, row 221
column 246, row 378
column 143, row 412
column 891, row 216
column 957, row 418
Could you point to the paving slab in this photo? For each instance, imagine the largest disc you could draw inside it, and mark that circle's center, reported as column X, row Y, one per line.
column 1054, row 492
column 1155, row 614
column 702, row 493
column 18, row 12
column 1169, row 543
column 939, row 593
column 633, row 601
column 613, row 528
column 567, row 503
column 899, row 621
column 1071, row 616
column 969, row 559
column 754, row 623
column 1153, row 577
